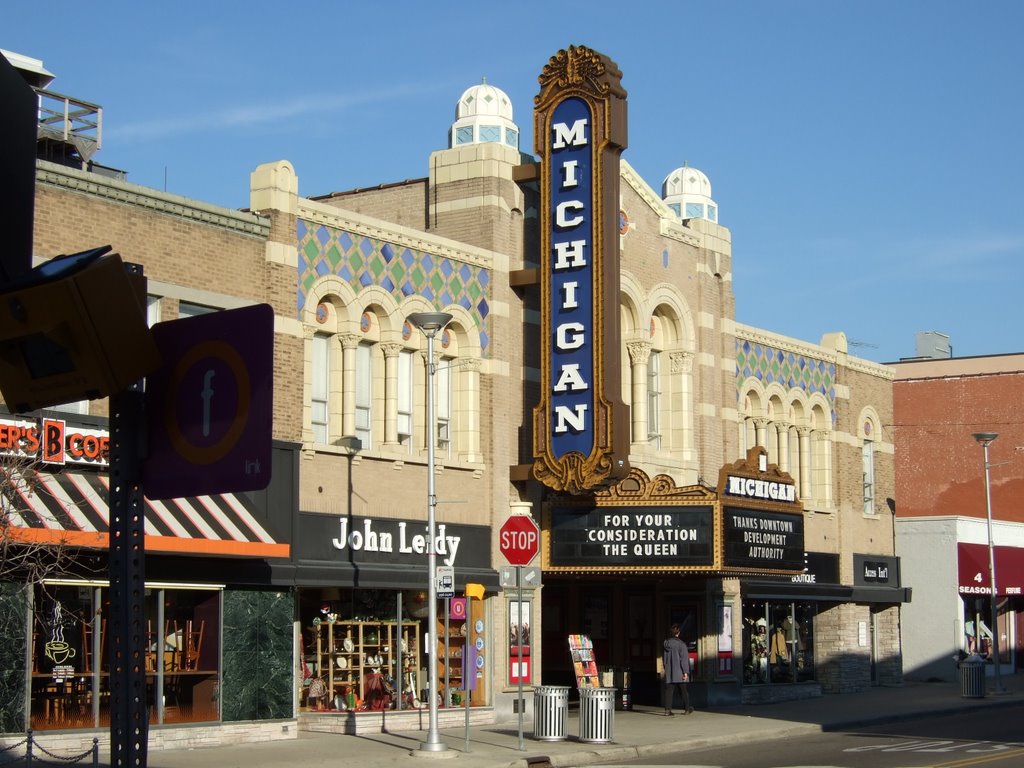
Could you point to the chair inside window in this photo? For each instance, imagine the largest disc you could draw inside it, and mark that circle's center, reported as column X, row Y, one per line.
column 87, row 633
column 192, row 644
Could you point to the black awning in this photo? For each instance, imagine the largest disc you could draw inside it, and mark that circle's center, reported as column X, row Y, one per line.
column 312, row 574
column 881, row 594
column 831, row 593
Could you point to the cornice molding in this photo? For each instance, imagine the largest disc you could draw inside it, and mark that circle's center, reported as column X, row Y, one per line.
column 367, row 226
column 668, row 225
column 807, row 349
column 137, row 196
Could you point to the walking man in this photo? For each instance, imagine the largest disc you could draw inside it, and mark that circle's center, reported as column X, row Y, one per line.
column 676, row 662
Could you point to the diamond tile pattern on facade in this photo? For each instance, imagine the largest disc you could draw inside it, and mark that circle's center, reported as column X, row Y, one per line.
column 364, row 261
column 788, row 369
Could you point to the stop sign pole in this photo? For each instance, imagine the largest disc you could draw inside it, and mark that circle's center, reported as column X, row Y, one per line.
column 519, row 540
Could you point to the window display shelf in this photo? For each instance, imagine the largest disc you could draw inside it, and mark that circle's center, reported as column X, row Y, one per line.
column 356, row 665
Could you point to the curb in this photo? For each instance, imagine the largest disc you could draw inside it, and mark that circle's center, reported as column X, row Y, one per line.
column 624, row 753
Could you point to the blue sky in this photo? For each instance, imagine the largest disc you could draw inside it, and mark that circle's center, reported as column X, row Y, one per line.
column 867, row 157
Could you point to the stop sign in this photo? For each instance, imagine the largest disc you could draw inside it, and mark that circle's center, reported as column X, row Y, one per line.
column 519, row 539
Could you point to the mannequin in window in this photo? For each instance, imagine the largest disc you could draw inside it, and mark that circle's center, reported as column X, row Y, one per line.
column 778, row 653
column 982, row 648
column 759, row 651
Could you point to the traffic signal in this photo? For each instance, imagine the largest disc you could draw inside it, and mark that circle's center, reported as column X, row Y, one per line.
column 74, row 328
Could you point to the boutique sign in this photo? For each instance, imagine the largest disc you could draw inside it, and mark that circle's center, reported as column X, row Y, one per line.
column 874, row 570
column 581, row 426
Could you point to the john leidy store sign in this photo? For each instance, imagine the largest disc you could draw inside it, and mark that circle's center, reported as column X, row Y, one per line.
column 388, row 542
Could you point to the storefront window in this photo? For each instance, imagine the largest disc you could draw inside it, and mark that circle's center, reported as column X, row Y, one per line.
column 778, row 642
column 71, row 655
column 978, row 628
column 66, row 683
column 186, row 668
column 366, row 650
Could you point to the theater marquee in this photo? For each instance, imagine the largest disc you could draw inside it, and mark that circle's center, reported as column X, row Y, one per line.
column 752, row 523
column 581, row 425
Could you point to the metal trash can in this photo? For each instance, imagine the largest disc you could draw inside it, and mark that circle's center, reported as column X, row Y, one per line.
column 550, row 712
column 597, row 714
column 972, row 677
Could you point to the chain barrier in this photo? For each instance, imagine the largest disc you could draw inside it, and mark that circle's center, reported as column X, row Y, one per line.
column 9, row 759
column 28, row 759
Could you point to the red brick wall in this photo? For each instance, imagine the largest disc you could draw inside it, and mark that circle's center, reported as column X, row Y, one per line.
column 939, row 466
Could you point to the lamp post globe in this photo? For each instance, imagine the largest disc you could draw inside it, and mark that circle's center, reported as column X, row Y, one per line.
column 430, row 323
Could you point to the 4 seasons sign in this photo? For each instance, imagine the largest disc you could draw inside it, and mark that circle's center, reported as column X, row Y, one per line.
column 581, row 429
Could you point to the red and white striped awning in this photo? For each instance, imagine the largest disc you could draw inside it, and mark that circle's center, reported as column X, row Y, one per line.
column 70, row 508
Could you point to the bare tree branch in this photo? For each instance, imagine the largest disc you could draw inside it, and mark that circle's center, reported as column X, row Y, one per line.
column 25, row 556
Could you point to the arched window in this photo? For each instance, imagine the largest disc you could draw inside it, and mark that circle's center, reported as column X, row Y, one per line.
column 456, row 396
column 868, row 434
column 868, row 471
column 443, row 405
column 323, row 374
column 320, row 387
column 363, row 380
column 404, row 405
column 654, row 399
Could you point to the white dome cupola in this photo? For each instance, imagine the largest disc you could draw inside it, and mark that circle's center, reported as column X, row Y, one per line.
column 687, row 192
column 483, row 114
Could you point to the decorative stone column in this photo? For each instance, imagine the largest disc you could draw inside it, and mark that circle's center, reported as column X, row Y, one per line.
column 782, row 428
column 468, row 426
column 349, row 343
column 391, row 393
column 426, row 383
column 825, row 439
column 639, row 353
column 806, row 488
column 681, row 366
column 761, row 430
column 308, row 333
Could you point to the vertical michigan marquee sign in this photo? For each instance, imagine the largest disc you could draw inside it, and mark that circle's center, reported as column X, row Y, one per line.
column 581, row 425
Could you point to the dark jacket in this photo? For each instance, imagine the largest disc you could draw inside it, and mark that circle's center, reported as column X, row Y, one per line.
column 676, row 660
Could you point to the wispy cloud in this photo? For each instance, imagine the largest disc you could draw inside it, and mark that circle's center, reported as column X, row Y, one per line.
column 942, row 256
column 933, row 259
column 262, row 115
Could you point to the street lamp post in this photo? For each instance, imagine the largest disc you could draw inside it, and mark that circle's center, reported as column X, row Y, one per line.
column 431, row 323
column 985, row 439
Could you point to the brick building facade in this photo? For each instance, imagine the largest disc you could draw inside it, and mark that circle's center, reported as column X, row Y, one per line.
column 942, row 520
column 343, row 272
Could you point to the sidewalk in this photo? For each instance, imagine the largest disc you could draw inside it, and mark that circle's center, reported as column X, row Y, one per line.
column 642, row 732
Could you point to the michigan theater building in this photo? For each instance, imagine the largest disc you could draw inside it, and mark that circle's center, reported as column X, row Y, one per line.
column 682, row 467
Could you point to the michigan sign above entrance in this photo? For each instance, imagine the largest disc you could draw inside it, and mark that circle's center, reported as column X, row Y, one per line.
column 210, row 405
column 519, row 539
